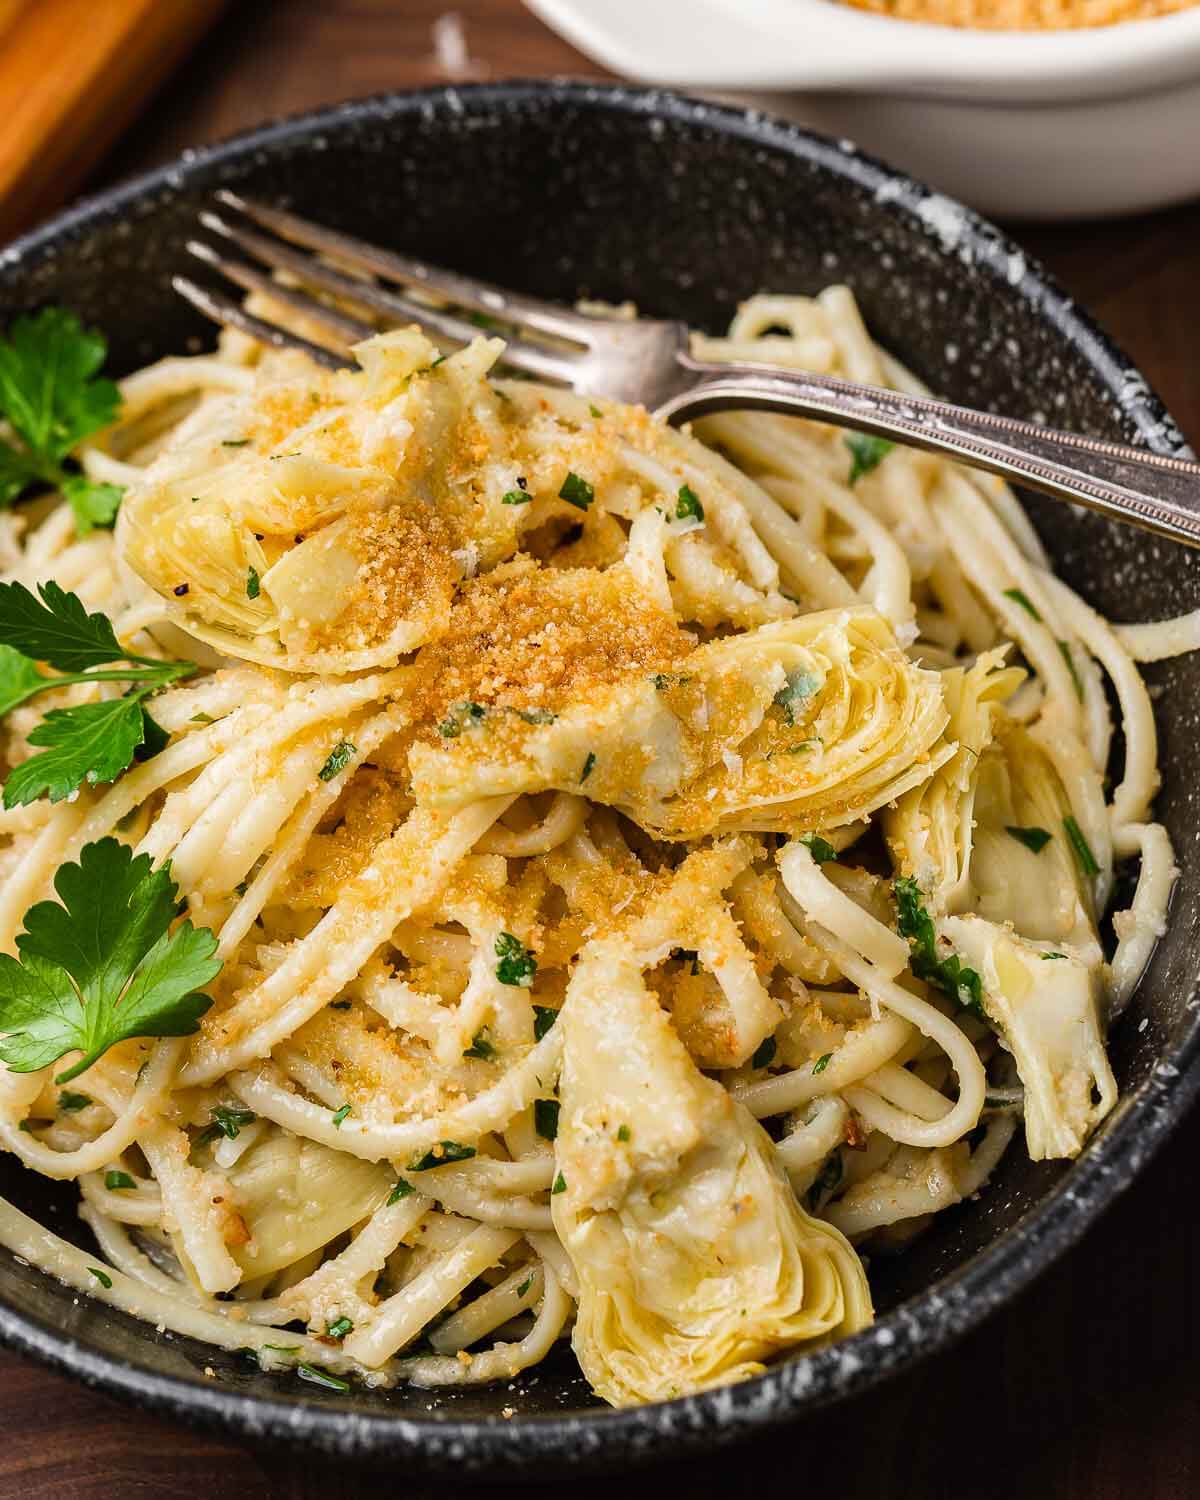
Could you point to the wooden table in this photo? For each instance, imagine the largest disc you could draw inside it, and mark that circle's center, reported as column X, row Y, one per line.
column 1088, row 1388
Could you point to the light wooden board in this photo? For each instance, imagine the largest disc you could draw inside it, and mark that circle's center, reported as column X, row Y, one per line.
column 73, row 74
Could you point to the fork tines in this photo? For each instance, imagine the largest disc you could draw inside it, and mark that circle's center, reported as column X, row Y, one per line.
column 318, row 264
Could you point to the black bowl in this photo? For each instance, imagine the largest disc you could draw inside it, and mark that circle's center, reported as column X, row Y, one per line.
column 565, row 189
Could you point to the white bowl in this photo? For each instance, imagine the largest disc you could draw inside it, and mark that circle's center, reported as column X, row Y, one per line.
column 1045, row 125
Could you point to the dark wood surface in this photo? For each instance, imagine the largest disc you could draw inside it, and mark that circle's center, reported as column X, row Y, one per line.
column 1087, row 1388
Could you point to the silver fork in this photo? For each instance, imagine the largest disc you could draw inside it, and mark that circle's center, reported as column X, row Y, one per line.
column 649, row 361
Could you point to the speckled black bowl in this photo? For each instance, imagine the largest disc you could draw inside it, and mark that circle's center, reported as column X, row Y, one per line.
column 565, row 189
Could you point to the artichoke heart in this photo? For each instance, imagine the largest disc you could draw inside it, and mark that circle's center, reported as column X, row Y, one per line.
column 695, row 1263
column 1045, row 1003
column 806, row 723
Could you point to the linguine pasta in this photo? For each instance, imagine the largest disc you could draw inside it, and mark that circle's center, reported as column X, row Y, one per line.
column 647, row 867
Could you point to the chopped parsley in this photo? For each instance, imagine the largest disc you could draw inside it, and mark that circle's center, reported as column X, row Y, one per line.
column 339, row 759
column 517, row 964
column 253, row 583
column 441, row 1155
column 687, row 505
column 90, row 742
column 339, row 1115
column 950, row 975
column 866, row 453
column 544, row 1016
column 1080, row 846
column 102, row 1277
column 1023, row 599
column 1047, row 956
column 1034, row 839
column 235, row 442
column 226, row 1122
column 589, row 766
column 536, row 715
column 118, row 1182
column 623, row 1132
column 821, row 850
column 316, row 1376
column 73, row 1102
column 524, row 1287
column 576, row 491
column 465, row 715
column 401, row 1190
column 340, row 1327
column 663, row 680
column 104, row 966
column 515, row 497
column 545, row 1118
column 822, row 1062
column 480, row 1046
column 594, row 410
column 560, row 1185
column 51, row 399
column 799, row 687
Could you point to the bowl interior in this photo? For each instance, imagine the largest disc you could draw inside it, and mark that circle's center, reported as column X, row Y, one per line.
column 684, row 208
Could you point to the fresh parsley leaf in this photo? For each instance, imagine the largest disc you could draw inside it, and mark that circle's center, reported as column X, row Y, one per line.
column 58, row 629
column 401, row 1190
column 339, row 1115
column 821, row 850
column 589, row 766
column 545, row 1118
column 517, row 964
column 94, row 504
column 950, row 975
column 544, row 1016
column 1034, row 839
column 443, row 1153
column 577, row 492
column 253, row 583
column 1018, row 596
column 687, row 505
column 866, row 453
column 339, row 759
column 340, row 1327
column 1081, row 848
column 764, row 1053
column 799, row 687
column 102, row 1277
column 52, row 401
column 103, row 966
column 118, row 1182
column 822, row 1062
column 480, row 1046
column 560, row 1185
column 93, row 742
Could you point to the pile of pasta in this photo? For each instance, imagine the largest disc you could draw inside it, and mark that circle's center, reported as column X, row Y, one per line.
column 599, row 991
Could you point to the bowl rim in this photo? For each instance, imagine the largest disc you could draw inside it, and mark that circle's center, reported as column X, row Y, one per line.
column 800, row 45
column 930, row 1320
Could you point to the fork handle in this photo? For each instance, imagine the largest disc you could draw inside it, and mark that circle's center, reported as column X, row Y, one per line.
column 1158, row 493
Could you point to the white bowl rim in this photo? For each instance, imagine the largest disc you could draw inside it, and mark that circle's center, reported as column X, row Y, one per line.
column 830, row 45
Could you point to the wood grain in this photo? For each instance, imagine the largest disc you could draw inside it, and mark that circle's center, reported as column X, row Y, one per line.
column 1087, row 1388
column 73, row 73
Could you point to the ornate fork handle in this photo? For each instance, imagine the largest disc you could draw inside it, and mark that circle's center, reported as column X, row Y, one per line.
column 1149, row 490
